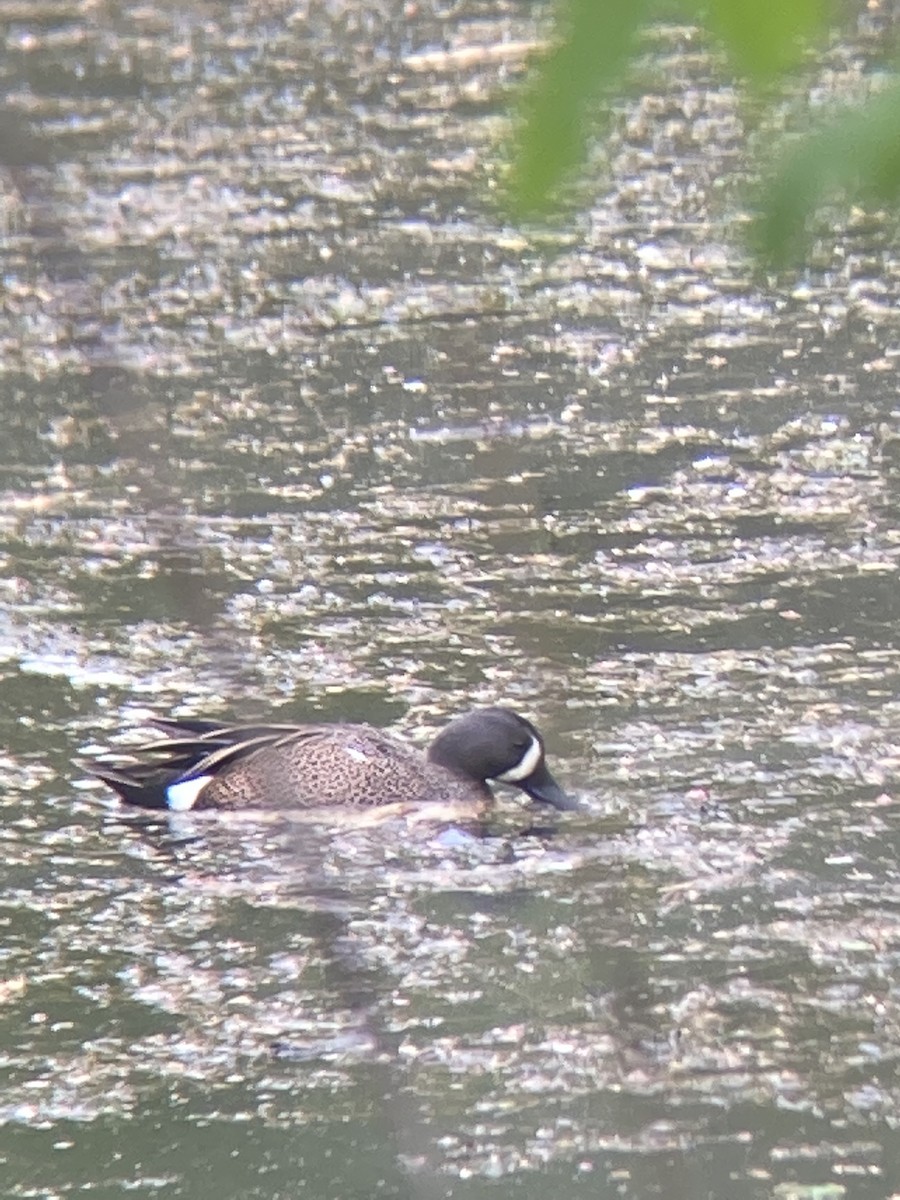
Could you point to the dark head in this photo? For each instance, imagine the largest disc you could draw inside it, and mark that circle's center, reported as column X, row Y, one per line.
column 498, row 744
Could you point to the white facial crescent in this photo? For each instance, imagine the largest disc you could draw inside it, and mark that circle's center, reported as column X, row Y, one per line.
column 526, row 765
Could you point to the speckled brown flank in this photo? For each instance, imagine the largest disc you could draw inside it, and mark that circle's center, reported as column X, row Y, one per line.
column 353, row 765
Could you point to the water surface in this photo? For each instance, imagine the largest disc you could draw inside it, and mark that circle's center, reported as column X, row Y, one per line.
column 294, row 425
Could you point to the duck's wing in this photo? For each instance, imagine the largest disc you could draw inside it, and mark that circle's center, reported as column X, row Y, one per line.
column 192, row 750
column 221, row 733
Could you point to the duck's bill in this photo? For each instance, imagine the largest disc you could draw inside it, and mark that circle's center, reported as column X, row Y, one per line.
column 542, row 786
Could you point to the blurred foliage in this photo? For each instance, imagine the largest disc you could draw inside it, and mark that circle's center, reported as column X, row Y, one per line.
column 763, row 41
column 594, row 47
column 852, row 154
column 855, row 153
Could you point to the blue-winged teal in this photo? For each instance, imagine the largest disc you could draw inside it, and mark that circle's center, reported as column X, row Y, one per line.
column 205, row 764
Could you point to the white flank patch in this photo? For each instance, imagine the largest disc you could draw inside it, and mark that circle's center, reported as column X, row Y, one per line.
column 526, row 765
column 356, row 755
column 182, row 796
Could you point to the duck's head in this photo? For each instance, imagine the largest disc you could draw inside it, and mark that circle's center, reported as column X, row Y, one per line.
column 497, row 744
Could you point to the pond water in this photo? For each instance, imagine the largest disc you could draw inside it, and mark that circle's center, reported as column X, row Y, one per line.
column 294, row 425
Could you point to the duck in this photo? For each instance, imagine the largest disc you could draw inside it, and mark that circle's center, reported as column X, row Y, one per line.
column 203, row 764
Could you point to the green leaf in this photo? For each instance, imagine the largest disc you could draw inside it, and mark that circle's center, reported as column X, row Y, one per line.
column 595, row 39
column 764, row 40
column 854, row 153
